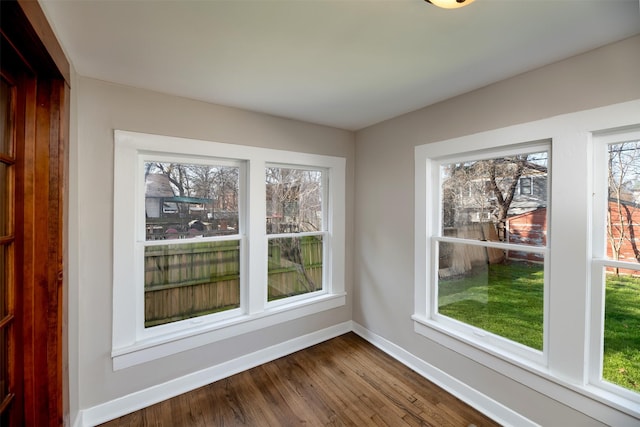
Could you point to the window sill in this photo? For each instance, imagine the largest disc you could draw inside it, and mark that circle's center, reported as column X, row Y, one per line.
column 154, row 348
column 589, row 399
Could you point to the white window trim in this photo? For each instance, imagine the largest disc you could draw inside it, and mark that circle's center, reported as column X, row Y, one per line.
column 434, row 193
column 326, row 237
column 131, row 343
column 600, row 261
column 565, row 373
column 142, row 333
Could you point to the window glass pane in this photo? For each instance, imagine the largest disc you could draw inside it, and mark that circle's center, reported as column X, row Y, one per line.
column 623, row 210
column 190, row 200
column 295, row 266
column 5, row 200
column 189, row 280
column 480, row 199
column 294, row 200
column 4, row 362
column 6, row 118
column 621, row 358
column 484, row 288
column 4, row 279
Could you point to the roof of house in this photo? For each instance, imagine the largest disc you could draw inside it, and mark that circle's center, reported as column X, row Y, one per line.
column 157, row 185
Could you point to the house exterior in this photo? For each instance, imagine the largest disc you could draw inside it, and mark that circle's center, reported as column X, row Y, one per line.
column 475, row 201
column 624, row 222
column 529, row 229
column 157, row 193
column 623, row 232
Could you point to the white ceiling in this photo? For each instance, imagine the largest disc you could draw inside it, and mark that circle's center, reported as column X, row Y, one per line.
column 343, row 63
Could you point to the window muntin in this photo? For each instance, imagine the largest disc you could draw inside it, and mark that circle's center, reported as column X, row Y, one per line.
column 295, row 226
column 489, row 252
column 616, row 278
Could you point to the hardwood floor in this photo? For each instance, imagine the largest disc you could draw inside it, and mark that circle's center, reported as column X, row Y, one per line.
column 341, row 382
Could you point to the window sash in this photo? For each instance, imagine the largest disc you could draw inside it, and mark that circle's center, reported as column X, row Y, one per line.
column 325, row 267
column 435, row 232
column 600, row 261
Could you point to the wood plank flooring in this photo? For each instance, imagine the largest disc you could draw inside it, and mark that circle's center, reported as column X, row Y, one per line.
column 345, row 381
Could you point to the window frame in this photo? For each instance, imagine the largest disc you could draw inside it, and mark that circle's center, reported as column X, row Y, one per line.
column 565, row 374
column 434, row 233
column 141, row 243
column 326, row 237
column 600, row 261
column 135, row 345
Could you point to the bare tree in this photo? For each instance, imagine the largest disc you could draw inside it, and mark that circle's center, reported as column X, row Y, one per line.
column 294, row 199
column 486, row 188
column 510, row 169
column 623, row 177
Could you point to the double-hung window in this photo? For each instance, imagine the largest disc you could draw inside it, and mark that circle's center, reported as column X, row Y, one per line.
column 615, row 335
column 488, row 247
column 296, row 230
column 213, row 240
column 192, row 240
column 541, row 285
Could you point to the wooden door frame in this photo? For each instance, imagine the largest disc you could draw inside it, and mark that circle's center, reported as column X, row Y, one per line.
column 41, row 211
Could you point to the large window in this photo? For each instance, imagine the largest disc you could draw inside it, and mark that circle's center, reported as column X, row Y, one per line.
column 192, row 238
column 527, row 255
column 213, row 240
column 295, row 225
column 616, row 266
column 490, row 245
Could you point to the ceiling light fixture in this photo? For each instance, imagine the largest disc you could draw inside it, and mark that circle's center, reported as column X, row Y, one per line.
column 450, row 4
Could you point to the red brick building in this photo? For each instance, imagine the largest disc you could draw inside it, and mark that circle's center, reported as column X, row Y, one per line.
column 531, row 229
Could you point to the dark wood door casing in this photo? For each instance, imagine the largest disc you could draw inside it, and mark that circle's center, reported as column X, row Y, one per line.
column 42, row 125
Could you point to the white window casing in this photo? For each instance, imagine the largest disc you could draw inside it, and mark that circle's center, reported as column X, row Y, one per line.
column 600, row 259
column 132, row 342
column 573, row 305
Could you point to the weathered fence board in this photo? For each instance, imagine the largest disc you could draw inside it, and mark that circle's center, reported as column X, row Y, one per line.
column 194, row 279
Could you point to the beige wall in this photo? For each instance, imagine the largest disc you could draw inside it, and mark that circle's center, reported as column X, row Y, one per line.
column 99, row 109
column 383, row 299
column 379, row 213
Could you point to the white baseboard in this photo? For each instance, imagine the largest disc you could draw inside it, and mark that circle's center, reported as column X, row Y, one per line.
column 494, row 410
column 132, row 402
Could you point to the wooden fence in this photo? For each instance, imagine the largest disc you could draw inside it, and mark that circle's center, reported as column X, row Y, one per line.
column 194, row 279
column 295, row 266
column 184, row 281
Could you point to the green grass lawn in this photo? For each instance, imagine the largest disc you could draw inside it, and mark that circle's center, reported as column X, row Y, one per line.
column 622, row 332
column 507, row 300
